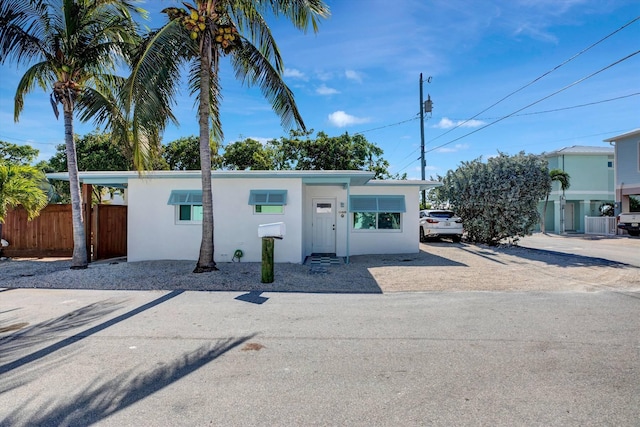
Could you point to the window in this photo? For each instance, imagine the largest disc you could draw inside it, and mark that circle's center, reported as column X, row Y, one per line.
column 377, row 212
column 188, row 205
column 268, row 201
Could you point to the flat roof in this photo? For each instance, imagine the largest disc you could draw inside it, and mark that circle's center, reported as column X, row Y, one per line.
column 352, row 178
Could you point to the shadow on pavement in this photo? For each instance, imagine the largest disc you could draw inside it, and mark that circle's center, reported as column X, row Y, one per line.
column 559, row 259
column 105, row 398
column 82, row 316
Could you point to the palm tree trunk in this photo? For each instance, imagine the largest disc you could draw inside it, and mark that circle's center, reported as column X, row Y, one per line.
column 79, row 259
column 205, row 259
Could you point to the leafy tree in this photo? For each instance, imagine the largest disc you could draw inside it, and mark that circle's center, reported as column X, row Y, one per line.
column 95, row 151
column 248, row 154
column 561, row 177
column 17, row 154
column 497, row 199
column 21, row 185
column 344, row 152
column 72, row 48
column 184, row 154
column 199, row 37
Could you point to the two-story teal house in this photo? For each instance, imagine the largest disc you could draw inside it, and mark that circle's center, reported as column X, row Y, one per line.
column 591, row 172
column 627, row 169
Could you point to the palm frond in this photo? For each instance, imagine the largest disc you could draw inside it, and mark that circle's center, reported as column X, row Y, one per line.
column 40, row 74
column 253, row 69
column 301, row 13
column 252, row 25
column 23, row 25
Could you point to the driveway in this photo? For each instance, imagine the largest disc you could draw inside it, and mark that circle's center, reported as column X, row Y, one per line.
column 623, row 249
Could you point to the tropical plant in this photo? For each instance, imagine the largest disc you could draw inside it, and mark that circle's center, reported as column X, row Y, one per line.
column 20, row 185
column 198, row 37
column 561, row 177
column 497, row 199
column 73, row 48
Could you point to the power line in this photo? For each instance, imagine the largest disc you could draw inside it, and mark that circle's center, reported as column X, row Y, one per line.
column 540, row 77
column 564, row 108
column 538, row 112
column 536, row 102
column 387, row 126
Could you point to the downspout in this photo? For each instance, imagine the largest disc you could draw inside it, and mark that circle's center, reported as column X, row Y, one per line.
column 348, row 220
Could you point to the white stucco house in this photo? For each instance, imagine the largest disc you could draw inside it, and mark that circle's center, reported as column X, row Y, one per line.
column 338, row 212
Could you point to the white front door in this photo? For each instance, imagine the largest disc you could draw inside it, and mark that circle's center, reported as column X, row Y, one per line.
column 324, row 226
column 568, row 217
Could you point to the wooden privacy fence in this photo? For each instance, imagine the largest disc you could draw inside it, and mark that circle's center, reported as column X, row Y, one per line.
column 51, row 233
column 48, row 235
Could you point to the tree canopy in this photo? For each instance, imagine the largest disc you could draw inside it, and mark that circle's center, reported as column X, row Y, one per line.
column 184, row 154
column 497, row 199
column 301, row 152
column 17, row 154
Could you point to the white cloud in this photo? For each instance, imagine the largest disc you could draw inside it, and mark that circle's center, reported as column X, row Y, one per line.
column 294, row 74
column 353, row 75
column 446, row 123
column 457, row 147
column 325, row 90
column 342, row 119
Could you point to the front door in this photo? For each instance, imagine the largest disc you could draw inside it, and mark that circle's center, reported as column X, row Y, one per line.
column 568, row 217
column 324, row 226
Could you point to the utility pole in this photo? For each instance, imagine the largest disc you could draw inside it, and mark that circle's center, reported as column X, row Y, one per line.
column 425, row 107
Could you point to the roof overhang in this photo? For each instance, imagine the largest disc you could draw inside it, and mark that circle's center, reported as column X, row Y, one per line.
column 121, row 179
column 635, row 132
column 422, row 185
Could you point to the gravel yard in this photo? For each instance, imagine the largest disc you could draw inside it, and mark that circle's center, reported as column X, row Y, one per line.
column 439, row 266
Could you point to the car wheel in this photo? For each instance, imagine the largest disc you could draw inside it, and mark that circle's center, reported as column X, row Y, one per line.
column 633, row 233
column 422, row 238
column 456, row 239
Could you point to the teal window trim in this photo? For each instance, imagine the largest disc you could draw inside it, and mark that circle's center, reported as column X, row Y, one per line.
column 268, row 197
column 377, row 204
column 185, row 197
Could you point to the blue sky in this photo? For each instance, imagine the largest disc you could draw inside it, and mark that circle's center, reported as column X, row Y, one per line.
column 360, row 74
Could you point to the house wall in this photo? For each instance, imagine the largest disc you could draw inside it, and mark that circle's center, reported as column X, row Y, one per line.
column 592, row 184
column 627, row 170
column 154, row 233
column 363, row 242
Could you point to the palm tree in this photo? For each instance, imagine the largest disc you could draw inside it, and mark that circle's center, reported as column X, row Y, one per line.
column 561, row 177
column 21, row 185
column 73, row 48
column 199, row 37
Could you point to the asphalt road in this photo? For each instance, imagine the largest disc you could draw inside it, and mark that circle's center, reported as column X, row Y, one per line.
column 151, row 358
column 624, row 249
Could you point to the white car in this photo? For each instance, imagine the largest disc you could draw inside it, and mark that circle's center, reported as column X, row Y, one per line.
column 440, row 223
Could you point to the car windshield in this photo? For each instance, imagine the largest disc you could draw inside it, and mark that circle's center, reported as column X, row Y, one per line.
column 442, row 214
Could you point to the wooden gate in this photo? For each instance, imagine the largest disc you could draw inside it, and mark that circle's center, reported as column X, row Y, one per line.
column 110, row 233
